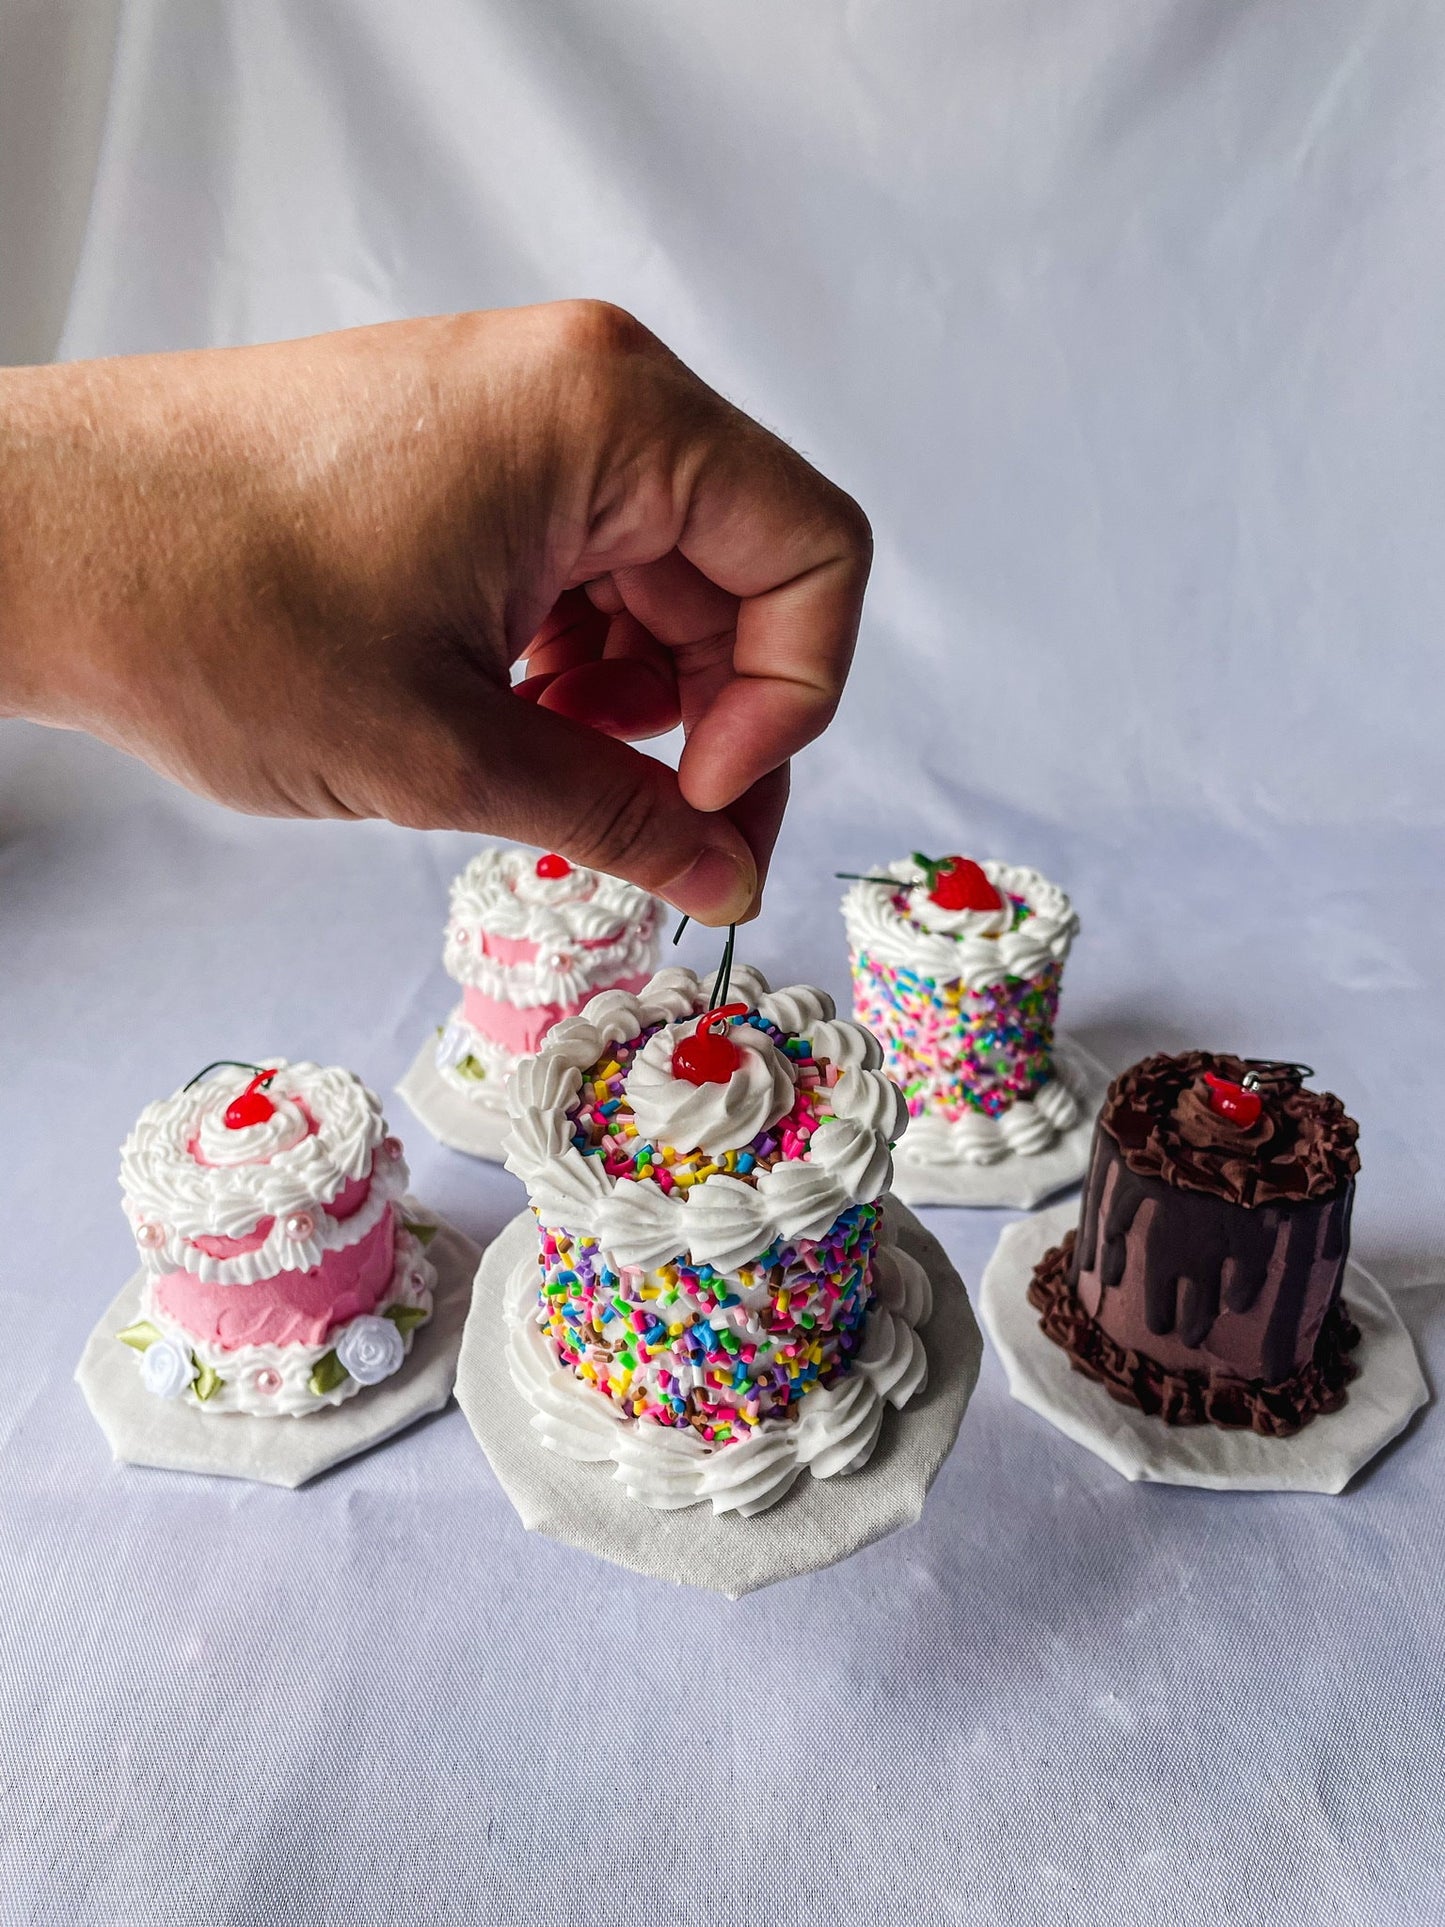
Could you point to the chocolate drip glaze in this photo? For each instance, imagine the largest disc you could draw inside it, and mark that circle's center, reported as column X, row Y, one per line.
column 1193, row 1398
column 1198, row 1256
column 1210, row 1248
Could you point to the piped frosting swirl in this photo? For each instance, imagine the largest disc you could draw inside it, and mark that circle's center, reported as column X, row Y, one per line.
column 1303, row 1144
column 724, row 1217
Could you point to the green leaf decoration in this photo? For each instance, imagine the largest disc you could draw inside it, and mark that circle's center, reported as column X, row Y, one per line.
column 423, row 1233
column 206, row 1382
column 140, row 1336
column 469, row 1066
column 327, row 1373
column 930, row 866
column 406, row 1317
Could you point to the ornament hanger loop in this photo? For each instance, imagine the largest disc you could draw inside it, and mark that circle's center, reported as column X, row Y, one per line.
column 1262, row 1068
column 231, row 1063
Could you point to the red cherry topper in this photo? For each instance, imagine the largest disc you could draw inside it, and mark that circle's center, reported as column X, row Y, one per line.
column 252, row 1106
column 551, row 865
column 709, row 1055
column 1236, row 1102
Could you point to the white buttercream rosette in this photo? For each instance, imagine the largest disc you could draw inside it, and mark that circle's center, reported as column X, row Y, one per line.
column 589, row 929
column 185, row 1174
column 723, row 1221
column 974, row 947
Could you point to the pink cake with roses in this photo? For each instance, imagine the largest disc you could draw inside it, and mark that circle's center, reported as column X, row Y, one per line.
column 281, row 1271
column 530, row 939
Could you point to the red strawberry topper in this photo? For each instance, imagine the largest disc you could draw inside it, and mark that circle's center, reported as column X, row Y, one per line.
column 958, row 883
column 1236, row 1102
column 252, row 1106
column 709, row 1055
column 552, row 866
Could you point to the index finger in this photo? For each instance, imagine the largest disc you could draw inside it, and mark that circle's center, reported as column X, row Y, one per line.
column 795, row 550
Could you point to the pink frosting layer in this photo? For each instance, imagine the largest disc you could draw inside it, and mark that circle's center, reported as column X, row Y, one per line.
column 520, row 1028
column 294, row 1307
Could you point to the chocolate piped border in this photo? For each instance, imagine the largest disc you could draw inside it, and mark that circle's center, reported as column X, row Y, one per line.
column 1193, row 1398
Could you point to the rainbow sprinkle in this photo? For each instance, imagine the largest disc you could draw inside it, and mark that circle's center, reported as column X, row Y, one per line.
column 722, row 1352
column 956, row 1050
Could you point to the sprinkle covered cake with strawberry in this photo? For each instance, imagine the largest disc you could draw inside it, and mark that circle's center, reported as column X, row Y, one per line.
column 530, row 938
column 956, row 969
column 716, row 1301
column 281, row 1272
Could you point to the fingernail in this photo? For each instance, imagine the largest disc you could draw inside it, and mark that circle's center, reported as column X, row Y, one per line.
column 718, row 888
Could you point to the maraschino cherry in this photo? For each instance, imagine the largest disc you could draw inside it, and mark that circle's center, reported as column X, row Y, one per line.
column 252, row 1106
column 1233, row 1101
column 958, row 883
column 551, row 866
column 709, row 1056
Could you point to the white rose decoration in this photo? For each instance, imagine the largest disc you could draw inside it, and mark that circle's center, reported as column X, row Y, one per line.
column 166, row 1368
column 371, row 1349
column 452, row 1046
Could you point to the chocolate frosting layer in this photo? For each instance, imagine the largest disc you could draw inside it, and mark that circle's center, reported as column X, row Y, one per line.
column 1159, row 1113
column 1193, row 1398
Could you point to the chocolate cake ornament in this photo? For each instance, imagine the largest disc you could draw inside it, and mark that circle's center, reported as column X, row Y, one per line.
column 1203, row 1284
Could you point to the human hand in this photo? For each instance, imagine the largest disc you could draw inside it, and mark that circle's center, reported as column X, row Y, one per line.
column 296, row 577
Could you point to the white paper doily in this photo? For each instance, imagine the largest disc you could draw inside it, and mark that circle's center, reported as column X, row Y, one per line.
column 1323, row 1457
column 818, row 1523
column 453, row 1118
column 145, row 1430
column 1018, row 1183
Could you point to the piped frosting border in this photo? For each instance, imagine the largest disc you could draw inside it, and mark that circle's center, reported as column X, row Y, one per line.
column 723, row 1222
column 963, row 953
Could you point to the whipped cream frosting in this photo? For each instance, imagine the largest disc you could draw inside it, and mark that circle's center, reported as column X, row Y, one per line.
column 714, row 1117
column 721, row 1221
column 666, row 1468
column 975, row 947
column 560, row 936
column 186, row 1175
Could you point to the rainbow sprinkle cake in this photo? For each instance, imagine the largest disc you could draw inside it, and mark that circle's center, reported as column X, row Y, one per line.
column 716, row 1301
column 956, row 969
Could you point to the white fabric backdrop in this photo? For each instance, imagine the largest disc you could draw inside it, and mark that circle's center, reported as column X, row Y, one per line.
column 1123, row 321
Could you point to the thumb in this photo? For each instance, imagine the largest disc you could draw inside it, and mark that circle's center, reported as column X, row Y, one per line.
column 540, row 777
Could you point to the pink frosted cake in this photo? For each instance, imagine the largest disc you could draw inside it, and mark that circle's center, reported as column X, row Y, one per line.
column 530, row 939
column 281, row 1275
column 956, row 969
column 717, row 1301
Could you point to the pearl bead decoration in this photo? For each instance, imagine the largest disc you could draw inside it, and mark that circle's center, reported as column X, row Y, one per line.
column 391, row 1146
column 300, row 1226
column 150, row 1236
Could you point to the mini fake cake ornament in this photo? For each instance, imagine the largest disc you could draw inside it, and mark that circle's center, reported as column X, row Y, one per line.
column 1204, row 1281
column 281, row 1276
column 717, row 1302
column 530, row 938
column 956, row 969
